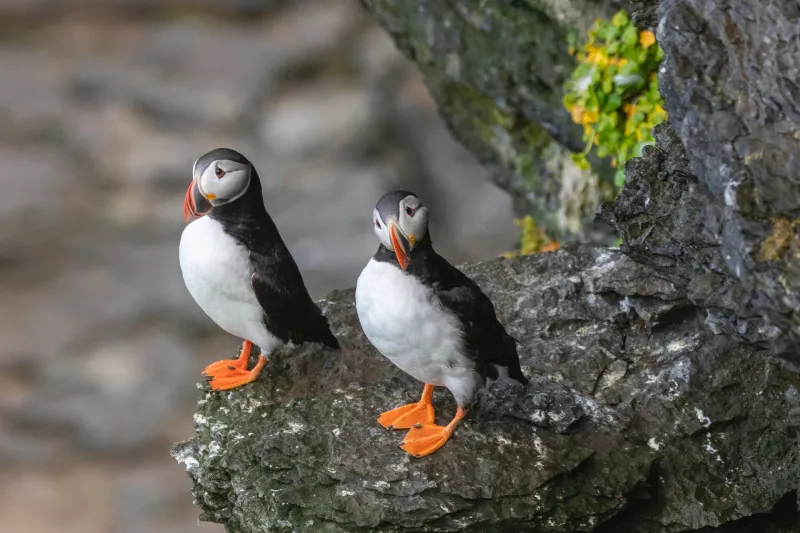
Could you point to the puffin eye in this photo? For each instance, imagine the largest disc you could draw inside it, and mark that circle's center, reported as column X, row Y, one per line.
column 219, row 172
column 377, row 224
column 410, row 211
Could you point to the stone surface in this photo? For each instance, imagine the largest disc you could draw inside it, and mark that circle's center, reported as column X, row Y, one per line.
column 497, row 72
column 730, row 83
column 627, row 416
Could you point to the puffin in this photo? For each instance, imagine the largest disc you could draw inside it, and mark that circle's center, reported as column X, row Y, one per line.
column 238, row 269
column 431, row 320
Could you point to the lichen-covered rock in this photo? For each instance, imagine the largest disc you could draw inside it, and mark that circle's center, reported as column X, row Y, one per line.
column 637, row 419
column 730, row 83
column 497, row 70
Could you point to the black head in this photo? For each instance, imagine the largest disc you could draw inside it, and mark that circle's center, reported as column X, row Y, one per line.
column 218, row 177
column 401, row 222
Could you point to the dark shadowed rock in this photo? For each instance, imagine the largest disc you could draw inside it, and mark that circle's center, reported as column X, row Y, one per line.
column 668, row 220
column 637, row 418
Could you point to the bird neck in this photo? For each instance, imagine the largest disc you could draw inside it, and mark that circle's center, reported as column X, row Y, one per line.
column 421, row 257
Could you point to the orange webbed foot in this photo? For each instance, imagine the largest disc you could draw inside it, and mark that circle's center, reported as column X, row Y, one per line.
column 426, row 439
column 231, row 373
column 408, row 416
column 414, row 414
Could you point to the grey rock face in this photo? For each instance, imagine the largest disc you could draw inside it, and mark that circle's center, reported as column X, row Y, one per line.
column 669, row 220
column 730, row 82
column 637, row 418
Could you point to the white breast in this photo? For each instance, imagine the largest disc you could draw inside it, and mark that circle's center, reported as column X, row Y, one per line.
column 403, row 320
column 217, row 271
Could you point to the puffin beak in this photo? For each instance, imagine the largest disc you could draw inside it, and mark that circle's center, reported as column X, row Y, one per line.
column 195, row 204
column 400, row 245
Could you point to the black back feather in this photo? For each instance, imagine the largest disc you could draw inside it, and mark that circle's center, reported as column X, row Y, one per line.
column 289, row 312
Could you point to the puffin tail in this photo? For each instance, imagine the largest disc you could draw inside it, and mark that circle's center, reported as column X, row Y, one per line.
column 512, row 359
column 516, row 374
column 329, row 340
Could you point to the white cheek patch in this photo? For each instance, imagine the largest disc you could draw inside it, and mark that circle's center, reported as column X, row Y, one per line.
column 226, row 189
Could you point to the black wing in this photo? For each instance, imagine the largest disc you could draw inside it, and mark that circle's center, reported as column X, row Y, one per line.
column 289, row 312
column 486, row 340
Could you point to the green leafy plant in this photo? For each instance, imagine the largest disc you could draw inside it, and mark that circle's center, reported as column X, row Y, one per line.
column 533, row 239
column 613, row 92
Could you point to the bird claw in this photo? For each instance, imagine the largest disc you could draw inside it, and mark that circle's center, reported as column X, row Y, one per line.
column 230, row 377
column 231, row 373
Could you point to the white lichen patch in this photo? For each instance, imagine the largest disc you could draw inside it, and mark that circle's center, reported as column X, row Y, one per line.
column 218, row 427
column 686, row 345
column 185, row 457
column 213, row 449
column 679, row 345
column 595, row 410
column 591, row 329
column 200, row 420
column 503, row 441
column 248, row 405
column 541, row 449
column 343, row 492
column 605, row 262
column 673, row 380
column 538, row 417
column 294, row 427
column 614, row 373
column 702, row 418
column 336, row 432
column 654, row 444
column 709, row 447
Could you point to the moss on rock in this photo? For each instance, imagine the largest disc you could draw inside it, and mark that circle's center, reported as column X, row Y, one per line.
column 497, row 71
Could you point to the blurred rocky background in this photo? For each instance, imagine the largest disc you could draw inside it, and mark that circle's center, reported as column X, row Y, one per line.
column 104, row 106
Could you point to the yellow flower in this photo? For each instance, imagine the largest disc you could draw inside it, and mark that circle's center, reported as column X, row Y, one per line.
column 551, row 246
column 660, row 110
column 591, row 116
column 629, row 109
column 576, row 112
column 647, row 39
column 571, row 50
column 596, row 56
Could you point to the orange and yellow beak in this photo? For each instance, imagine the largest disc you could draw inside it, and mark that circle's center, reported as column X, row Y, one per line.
column 195, row 205
column 401, row 245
